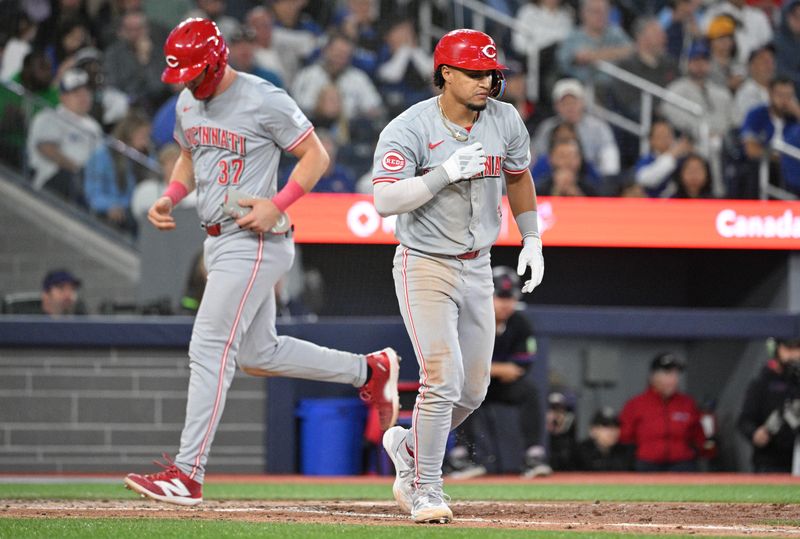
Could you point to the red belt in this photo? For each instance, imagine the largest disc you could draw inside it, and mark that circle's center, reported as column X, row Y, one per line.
column 469, row 256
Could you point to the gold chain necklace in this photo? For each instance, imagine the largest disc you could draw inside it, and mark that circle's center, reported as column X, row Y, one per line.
column 460, row 137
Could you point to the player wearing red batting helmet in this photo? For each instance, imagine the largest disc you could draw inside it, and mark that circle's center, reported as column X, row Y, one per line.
column 469, row 50
column 196, row 55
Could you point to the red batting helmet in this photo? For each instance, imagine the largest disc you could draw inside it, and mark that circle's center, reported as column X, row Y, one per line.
column 191, row 47
column 473, row 50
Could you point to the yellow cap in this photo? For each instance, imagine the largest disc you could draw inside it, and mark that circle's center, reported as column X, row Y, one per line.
column 721, row 26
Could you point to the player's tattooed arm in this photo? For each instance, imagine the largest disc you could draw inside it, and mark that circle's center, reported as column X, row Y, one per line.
column 522, row 199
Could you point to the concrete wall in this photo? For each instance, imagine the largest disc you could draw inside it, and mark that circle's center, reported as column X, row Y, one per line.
column 114, row 410
column 38, row 237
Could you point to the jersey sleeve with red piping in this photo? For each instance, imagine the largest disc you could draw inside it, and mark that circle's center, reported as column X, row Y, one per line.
column 283, row 120
column 397, row 153
column 518, row 158
column 177, row 132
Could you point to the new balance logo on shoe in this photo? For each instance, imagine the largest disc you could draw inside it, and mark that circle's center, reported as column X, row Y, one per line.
column 173, row 488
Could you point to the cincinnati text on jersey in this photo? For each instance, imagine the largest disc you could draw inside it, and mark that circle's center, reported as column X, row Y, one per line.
column 217, row 137
column 491, row 169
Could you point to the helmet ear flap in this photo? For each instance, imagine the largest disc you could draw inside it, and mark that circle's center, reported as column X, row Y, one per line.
column 498, row 84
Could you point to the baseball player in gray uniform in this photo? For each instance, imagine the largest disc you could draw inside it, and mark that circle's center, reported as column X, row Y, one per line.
column 440, row 166
column 232, row 128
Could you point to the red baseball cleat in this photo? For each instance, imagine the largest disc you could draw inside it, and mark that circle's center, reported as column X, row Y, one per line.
column 381, row 390
column 170, row 485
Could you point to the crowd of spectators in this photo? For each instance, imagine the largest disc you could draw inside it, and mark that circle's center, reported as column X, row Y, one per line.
column 352, row 65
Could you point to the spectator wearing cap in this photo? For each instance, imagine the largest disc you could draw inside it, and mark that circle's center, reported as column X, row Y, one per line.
column 109, row 104
column 753, row 29
column 134, row 62
column 754, row 91
column 726, row 68
column 696, row 86
column 242, row 47
column 595, row 40
column 649, row 61
column 662, row 422
column 61, row 140
column 770, row 409
column 599, row 147
column 560, row 424
column 60, row 294
column 512, row 357
column 601, row 451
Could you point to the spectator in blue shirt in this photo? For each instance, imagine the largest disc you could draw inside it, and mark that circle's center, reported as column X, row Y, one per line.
column 790, row 167
column 110, row 177
column 693, row 179
column 761, row 126
column 654, row 170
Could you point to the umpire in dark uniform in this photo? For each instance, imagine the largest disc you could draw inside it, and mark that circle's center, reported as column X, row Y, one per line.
column 769, row 418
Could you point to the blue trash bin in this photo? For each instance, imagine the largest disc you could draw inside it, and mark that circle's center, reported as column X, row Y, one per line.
column 331, row 436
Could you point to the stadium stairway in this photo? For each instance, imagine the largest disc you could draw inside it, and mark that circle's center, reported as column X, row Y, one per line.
column 39, row 234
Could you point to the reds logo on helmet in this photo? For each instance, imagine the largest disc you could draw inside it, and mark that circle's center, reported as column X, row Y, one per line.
column 393, row 161
column 490, row 51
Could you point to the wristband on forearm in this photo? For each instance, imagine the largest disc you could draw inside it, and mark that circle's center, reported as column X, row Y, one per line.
column 528, row 224
column 176, row 192
column 288, row 195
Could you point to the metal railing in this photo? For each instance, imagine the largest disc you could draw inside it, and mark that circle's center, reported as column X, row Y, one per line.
column 765, row 188
column 30, row 102
column 706, row 144
column 649, row 92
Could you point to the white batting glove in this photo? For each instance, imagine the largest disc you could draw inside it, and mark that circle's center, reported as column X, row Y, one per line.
column 531, row 255
column 465, row 162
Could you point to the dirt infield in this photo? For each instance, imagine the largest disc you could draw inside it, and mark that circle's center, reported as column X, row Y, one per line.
column 639, row 518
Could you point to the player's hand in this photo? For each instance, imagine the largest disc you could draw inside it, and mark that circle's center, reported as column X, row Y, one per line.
column 531, row 255
column 160, row 214
column 263, row 216
column 507, row 372
column 465, row 162
column 761, row 437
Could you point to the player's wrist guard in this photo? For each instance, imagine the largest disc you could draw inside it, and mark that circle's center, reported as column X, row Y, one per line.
column 288, row 195
column 528, row 224
column 176, row 192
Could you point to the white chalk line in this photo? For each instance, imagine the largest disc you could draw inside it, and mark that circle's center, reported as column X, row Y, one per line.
column 395, row 516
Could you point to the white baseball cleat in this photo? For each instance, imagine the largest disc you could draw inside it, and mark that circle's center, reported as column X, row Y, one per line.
column 430, row 505
column 394, row 442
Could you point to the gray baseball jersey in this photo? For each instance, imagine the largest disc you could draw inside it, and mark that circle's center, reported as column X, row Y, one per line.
column 446, row 301
column 236, row 139
column 464, row 216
